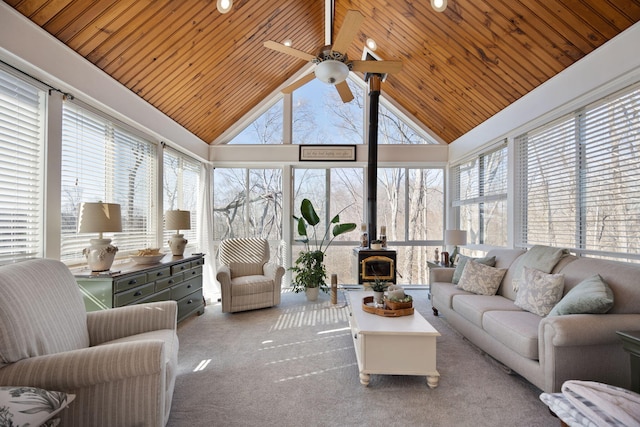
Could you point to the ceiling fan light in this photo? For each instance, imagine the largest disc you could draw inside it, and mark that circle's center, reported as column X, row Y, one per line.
column 332, row 72
column 224, row 6
column 439, row 5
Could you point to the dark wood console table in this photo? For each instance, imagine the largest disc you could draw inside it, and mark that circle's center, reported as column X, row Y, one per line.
column 631, row 343
column 177, row 278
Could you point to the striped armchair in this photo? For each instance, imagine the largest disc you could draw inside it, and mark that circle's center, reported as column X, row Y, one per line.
column 247, row 279
column 120, row 363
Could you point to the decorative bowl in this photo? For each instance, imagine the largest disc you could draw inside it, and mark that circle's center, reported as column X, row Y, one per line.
column 147, row 259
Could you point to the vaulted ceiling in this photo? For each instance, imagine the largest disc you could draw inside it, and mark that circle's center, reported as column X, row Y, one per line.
column 207, row 70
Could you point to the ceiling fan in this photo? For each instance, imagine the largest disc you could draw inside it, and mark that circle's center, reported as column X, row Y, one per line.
column 332, row 64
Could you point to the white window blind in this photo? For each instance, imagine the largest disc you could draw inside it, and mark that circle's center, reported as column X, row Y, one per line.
column 102, row 160
column 578, row 179
column 480, row 197
column 22, row 107
column 181, row 191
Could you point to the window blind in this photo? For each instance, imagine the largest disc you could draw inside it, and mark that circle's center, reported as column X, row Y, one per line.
column 181, row 188
column 22, row 107
column 103, row 161
column 578, row 179
column 480, row 195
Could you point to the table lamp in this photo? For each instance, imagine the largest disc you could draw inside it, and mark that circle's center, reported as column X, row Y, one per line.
column 177, row 220
column 99, row 218
column 455, row 238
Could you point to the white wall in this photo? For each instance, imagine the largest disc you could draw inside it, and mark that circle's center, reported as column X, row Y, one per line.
column 609, row 68
column 29, row 48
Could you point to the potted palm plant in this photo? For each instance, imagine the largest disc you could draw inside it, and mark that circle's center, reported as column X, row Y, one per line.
column 310, row 271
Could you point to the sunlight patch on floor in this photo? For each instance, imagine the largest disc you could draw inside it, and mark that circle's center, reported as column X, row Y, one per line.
column 202, row 365
column 313, row 373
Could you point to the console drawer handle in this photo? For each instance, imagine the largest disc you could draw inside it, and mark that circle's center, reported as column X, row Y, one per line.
column 190, row 301
column 133, row 281
column 137, row 294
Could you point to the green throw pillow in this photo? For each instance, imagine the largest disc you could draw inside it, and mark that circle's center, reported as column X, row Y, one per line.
column 462, row 261
column 591, row 296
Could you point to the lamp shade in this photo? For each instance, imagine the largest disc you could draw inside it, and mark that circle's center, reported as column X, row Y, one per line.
column 177, row 220
column 332, row 71
column 99, row 218
column 455, row 237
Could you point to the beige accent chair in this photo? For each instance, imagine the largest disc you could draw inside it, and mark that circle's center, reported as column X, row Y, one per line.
column 120, row 363
column 247, row 279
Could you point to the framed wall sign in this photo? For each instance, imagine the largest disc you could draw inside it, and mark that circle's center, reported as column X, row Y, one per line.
column 323, row 153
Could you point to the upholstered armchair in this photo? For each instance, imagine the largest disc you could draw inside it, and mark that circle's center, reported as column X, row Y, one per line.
column 247, row 279
column 120, row 363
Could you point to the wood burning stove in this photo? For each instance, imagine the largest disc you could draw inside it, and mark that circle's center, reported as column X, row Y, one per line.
column 375, row 263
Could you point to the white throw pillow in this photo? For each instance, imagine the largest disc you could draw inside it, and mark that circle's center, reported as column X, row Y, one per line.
column 539, row 292
column 481, row 279
column 31, row 406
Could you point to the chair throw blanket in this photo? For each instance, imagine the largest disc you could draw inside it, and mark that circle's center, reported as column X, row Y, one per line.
column 588, row 403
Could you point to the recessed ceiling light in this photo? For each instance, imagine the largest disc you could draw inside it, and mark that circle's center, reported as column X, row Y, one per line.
column 371, row 44
column 287, row 42
column 439, row 5
column 224, row 6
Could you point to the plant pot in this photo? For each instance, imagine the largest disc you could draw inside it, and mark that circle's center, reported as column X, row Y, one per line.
column 378, row 298
column 376, row 246
column 312, row 293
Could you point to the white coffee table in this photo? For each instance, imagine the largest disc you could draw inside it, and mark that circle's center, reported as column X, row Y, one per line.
column 403, row 345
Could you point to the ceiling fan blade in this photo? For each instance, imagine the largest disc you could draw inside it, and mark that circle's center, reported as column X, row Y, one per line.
column 382, row 67
column 288, row 50
column 299, row 83
column 344, row 91
column 352, row 21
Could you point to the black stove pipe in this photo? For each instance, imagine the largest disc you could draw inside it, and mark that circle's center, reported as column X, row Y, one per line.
column 372, row 164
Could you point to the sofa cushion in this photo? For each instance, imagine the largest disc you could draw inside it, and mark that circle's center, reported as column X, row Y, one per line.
column 249, row 285
column 481, row 279
column 462, row 261
column 539, row 257
column 442, row 294
column 472, row 307
column 591, row 296
column 539, row 292
column 517, row 330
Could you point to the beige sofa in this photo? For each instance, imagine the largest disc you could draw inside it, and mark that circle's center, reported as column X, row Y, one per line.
column 120, row 363
column 548, row 350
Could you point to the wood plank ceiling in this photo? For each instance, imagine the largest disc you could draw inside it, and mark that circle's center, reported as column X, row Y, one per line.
column 206, row 70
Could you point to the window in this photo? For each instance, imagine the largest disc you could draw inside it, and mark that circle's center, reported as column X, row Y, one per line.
column 22, row 109
column 480, row 197
column 102, row 160
column 578, row 179
column 320, row 116
column 247, row 203
column 181, row 189
column 266, row 129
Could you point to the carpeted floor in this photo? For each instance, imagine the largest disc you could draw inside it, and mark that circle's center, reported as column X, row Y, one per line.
column 295, row 365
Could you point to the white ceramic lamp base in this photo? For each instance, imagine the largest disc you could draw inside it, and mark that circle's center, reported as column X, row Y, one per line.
column 177, row 243
column 100, row 254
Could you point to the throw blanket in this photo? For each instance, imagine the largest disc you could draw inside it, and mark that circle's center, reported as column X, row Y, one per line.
column 603, row 403
column 539, row 257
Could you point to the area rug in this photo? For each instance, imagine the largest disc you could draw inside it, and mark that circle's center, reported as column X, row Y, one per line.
column 295, row 364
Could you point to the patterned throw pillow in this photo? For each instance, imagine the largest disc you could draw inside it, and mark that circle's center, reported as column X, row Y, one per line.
column 481, row 279
column 592, row 295
column 31, row 406
column 462, row 261
column 539, row 292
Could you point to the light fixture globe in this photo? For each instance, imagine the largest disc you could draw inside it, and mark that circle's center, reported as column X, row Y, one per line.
column 331, row 71
column 224, row 6
column 439, row 5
